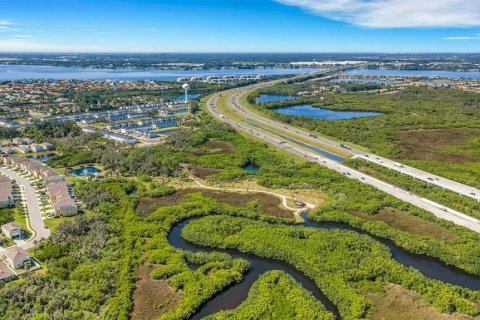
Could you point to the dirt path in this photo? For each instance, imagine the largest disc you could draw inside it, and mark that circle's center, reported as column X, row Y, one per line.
column 296, row 211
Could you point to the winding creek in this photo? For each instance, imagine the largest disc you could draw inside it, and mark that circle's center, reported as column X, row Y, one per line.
column 233, row 296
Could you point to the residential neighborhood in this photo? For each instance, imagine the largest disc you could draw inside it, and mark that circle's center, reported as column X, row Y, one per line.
column 56, row 185
column 24, row 146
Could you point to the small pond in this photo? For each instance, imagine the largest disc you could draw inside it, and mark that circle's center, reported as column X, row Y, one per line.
column 264, row 98
column 85, row 171
column 310, row 111
column 252, row 167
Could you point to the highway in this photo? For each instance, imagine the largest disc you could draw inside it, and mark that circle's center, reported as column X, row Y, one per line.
column 439, row 181
column 261, row 128
column 33, row 208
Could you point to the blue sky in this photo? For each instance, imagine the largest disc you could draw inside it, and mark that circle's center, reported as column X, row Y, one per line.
column 240, row 25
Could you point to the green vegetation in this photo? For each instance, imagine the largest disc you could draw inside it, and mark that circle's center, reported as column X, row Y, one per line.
column 276, row 295
column 447, row 198
column 343, row 264
column 7, row 215
column 90, row 261
column 426, row 111
column 8, row 133
column 43, row 131
column 344, row 197
column 216, row 271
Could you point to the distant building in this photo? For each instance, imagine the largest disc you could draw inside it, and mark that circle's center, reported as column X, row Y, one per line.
column 36, row 148
column 9, row 124
column 24, row 149
column 18, row 141
column 12, row 230
column 47, row 146
column 7, row 150
column 17, row 257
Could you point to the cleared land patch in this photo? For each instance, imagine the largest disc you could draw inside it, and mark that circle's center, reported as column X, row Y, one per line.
column 152, row 298
column 267, row 204
column 408, row 223
column 402, row 304
column 203, row 173
column 214, row 147
column 451, row 145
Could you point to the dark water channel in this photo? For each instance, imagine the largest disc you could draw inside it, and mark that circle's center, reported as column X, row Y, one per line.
column 233, row 296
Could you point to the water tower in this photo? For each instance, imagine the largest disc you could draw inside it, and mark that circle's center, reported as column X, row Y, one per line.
column 186, row 87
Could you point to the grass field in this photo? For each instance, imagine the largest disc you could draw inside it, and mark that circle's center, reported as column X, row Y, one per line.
column 267, row 204
column 456, row 145
column 214, row 146
column 152, row 298
column 406, row 222
column 402, row 304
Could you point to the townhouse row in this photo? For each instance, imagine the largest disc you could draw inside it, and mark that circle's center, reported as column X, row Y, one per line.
column 56, row 185
column 6, row 192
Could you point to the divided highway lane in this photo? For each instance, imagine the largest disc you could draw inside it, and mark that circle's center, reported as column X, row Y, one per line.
column 439, row 181
column 430, row 206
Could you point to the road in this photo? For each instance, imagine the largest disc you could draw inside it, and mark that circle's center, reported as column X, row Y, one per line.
column 33, row 208
column 266, row 135
column 439, row 181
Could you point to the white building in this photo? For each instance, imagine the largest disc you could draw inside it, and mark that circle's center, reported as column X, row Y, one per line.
column 17, row 258
column 12, row 230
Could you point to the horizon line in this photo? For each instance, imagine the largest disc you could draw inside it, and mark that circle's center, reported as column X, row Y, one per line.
column 239, row 52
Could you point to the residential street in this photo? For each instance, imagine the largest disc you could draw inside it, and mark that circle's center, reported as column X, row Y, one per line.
column 33, row 207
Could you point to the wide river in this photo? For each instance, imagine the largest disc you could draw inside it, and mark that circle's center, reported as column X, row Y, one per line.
column 8, row 73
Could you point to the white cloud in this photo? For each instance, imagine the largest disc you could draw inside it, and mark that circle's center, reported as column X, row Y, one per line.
column 395, row 13
column 5, row 25
column 477, row 37
column 6, row 22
